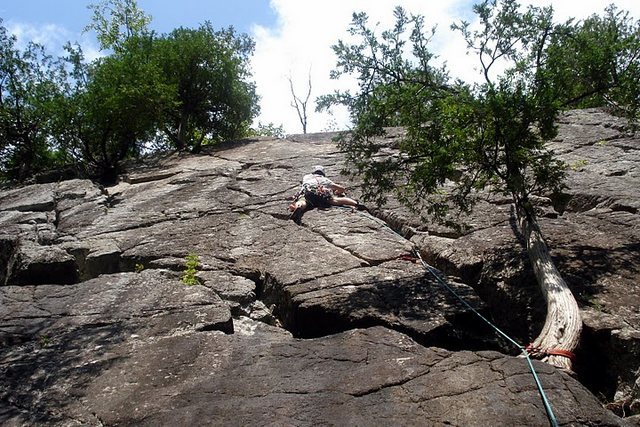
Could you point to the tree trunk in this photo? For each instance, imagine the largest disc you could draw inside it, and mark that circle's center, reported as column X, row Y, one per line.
column 563, row 324
column 180, row 140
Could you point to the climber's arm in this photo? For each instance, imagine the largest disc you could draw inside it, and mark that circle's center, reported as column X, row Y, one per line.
column 337, row 188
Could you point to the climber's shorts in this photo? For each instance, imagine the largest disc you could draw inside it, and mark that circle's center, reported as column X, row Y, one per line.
column 317, row 197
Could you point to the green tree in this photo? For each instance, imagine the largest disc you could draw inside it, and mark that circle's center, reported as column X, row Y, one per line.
column 29, row 87
column 66, row 119
column 116, row 109
column 486, row 136
column 270, row 129
column 115, row 21
column 113, row 106
column 597, row 63
column 215, row 98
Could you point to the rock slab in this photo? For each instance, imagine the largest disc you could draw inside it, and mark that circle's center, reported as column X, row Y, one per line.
column 331, row 322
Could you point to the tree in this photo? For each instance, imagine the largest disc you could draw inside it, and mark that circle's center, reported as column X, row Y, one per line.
column 299, row 104
column 117, row 109
column 269, row 129
column 29, row 86
column 215, row 99
column 115, row 21
column 192, row 85
column 598, row 63
column 489, row 136
column 110, row 107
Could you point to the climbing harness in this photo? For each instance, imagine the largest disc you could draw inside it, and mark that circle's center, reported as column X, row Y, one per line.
column 524, row 350
column 316, row 195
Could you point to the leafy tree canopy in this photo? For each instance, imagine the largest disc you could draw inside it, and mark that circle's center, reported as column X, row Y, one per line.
column 115, row 21
column 112, row 116
column 485, row 135
column 182, row 90
column 30, row 83
column 463, row 137
column 215, row 99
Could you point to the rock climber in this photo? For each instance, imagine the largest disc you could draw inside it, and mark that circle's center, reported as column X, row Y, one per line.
column 318, row 191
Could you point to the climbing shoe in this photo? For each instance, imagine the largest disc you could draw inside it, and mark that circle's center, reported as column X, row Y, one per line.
column 296, row 215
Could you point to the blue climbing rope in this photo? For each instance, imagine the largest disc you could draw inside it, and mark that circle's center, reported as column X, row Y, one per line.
column 545, row 400
column 547, row 405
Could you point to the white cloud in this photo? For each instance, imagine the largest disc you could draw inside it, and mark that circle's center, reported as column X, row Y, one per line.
column 53, row 37
column 306, row 30
column 300, row 43
column 46, row 35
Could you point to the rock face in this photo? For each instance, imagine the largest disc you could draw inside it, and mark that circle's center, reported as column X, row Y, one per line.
column 332, row 322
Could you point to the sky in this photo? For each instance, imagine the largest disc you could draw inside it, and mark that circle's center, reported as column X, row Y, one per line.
column 293, row 38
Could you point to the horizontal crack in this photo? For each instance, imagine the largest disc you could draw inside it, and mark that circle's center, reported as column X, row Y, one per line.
column 381, row 387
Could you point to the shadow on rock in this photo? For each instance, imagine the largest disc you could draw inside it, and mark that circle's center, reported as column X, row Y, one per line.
column 42, row 377
column 418, row 306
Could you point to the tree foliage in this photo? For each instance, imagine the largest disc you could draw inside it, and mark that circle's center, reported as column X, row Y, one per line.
column 461, row 138
column 215, row 99
column 117, row 110
column 115, row 21
column 29, row 87
column 181, row 90
column 598, row 62
column 270, row 130
column 485, row 135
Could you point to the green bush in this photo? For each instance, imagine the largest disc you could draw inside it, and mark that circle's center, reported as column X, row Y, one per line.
column 192, row 262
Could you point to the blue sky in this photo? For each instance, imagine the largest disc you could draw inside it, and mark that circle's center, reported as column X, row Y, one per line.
column 166, row 14
column 293, row 37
